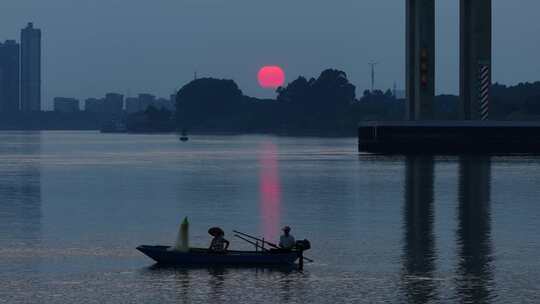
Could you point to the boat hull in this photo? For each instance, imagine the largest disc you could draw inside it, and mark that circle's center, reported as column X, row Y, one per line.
column 165, row 256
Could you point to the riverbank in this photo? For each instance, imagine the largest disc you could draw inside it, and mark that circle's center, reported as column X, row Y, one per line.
column 49, row 120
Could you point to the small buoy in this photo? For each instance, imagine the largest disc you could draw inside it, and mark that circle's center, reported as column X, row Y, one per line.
column 182, row 241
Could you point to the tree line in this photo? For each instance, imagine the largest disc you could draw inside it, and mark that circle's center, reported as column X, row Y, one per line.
column 326, row 105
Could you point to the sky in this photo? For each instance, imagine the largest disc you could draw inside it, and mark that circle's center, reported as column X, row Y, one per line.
column 91, row 47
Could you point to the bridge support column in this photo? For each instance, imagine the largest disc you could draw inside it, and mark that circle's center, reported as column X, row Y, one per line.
column 475, row 59
column 420, row 56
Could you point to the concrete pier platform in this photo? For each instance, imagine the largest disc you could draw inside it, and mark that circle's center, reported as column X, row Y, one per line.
column 449, row 137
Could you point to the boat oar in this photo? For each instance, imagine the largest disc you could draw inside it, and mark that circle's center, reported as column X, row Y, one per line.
column 270, row 244
column 252, row 243
column 257, row 239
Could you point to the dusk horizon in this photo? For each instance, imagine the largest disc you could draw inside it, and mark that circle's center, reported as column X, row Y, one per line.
column 236, row 151
column 138, row 47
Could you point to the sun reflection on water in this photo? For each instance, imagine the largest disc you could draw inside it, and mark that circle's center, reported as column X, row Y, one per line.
column 270, row 190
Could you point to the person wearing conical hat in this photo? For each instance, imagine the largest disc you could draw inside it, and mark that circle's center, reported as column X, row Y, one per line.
column 219, row 243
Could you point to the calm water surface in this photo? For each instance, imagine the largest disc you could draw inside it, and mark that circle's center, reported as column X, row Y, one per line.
column 74, row 205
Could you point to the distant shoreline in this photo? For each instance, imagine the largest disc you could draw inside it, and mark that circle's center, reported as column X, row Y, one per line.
column 202, row 133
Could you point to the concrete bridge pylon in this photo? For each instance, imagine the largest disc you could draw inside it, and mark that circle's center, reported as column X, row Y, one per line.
column 475, row 59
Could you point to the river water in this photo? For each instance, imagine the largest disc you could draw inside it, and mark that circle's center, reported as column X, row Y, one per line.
column 425, row 229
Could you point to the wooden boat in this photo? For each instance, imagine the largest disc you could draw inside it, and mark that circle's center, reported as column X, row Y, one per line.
column 165, row 255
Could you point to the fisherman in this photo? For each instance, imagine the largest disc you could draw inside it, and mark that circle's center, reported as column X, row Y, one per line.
column 219, row 243
column 286, row 240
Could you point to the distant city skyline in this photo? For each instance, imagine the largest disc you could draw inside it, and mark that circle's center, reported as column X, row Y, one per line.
column 20, row 72
column 113, row 103
column 140, row 46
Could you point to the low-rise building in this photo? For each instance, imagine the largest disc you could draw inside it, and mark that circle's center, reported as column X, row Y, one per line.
column 132, row 105
column 145, row 100
column 163, row 103
column 93, row 105
column 66, row 105
column 114, row 103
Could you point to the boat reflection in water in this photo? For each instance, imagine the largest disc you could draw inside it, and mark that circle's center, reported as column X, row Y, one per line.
column 474, row 278
column 270, row 191
column 219, row 284
column 419, row 241
column 474, row 275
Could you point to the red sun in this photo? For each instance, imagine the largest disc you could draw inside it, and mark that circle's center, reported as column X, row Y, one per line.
column 271, row 77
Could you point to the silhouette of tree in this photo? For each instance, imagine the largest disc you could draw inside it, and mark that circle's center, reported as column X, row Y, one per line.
column 151, row 120
column 208, row 103
column 333, row 89
column 317, row 103
column 515, row 102
column 377, row 96
column 298, row 91
column 367, row 94
column 325, row 105
column 532, row 105
column 155, row 115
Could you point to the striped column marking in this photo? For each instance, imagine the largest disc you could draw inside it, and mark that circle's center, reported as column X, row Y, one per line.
column 484, row 83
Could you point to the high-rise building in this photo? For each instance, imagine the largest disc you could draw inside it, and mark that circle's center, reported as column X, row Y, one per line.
column 9, row 76
column 30, row 68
